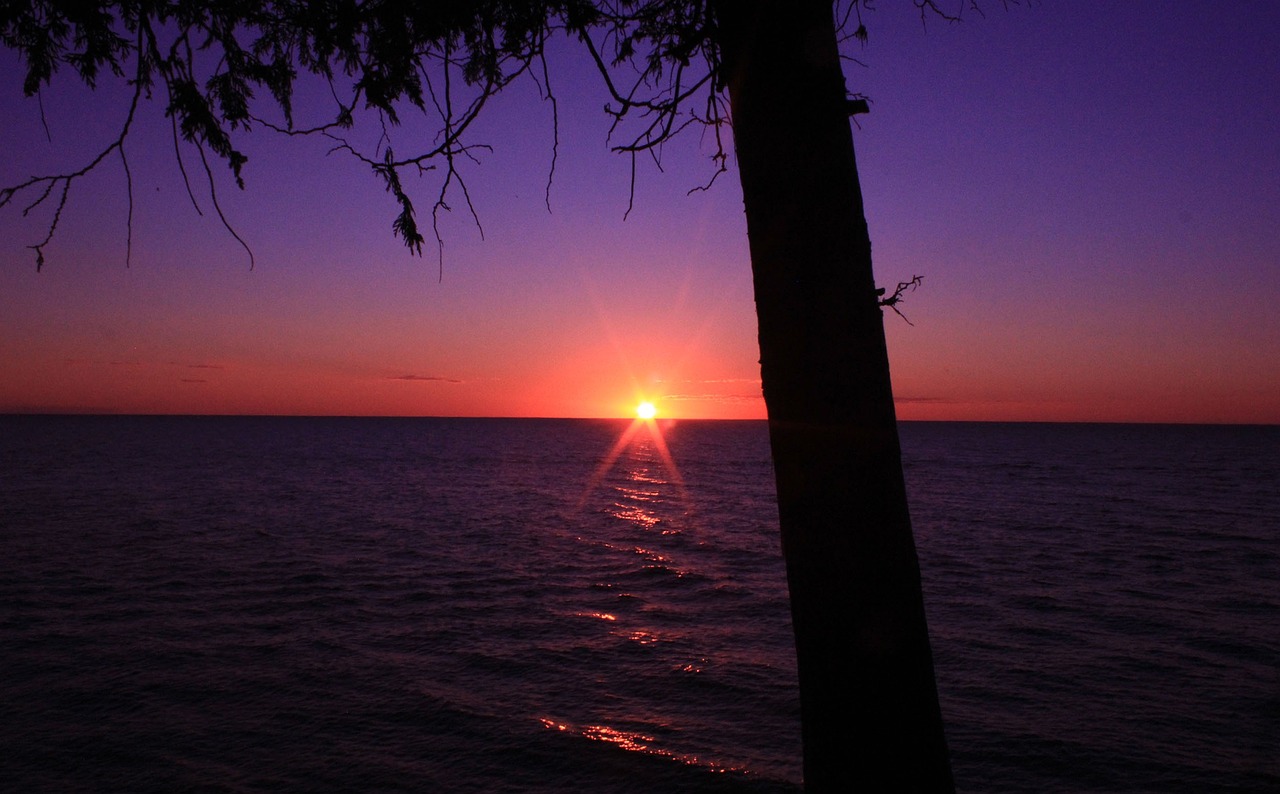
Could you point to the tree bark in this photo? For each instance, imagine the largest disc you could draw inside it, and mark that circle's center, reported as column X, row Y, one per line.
column 869, row 704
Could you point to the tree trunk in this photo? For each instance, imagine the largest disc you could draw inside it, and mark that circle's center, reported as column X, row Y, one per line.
column 869, row 704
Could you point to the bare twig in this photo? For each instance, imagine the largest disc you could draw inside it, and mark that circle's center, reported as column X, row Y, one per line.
column 44, row 120
column 50, row 183
column 213, row 198
column 128, row 186
column 177, row 156
column 897, row 297
column 555, row 119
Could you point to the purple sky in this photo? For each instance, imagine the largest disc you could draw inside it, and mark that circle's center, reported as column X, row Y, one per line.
column 1090, row 190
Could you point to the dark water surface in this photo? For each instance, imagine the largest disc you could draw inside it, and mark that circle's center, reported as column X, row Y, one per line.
column 265, row 604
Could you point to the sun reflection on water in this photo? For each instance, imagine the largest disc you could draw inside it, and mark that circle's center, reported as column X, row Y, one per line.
column 634, row 742
column 648, row 486
column 644, row 520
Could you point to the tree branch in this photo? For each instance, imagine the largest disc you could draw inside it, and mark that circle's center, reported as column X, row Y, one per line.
column 550, row 96
column 213, row 58
column 51, row 181
column 897, row 297
column 213, row 199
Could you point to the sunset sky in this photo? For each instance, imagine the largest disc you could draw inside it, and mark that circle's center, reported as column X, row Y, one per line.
column 1091, row 191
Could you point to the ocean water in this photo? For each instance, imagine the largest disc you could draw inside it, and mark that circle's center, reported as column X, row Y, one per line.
column 272, row 604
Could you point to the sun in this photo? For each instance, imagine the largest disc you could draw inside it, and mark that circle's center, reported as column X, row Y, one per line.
column 646, row 410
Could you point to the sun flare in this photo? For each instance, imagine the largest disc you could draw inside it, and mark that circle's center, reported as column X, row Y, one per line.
column 646, row 410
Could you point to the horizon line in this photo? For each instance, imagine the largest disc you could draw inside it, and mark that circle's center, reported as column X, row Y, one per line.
column 6, row 413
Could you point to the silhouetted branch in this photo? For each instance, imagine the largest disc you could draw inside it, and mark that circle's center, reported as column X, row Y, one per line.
column 452, row 148
column 548, row 95
column 44, row 120
column 927, row 7
column 662, row 88
column 213, row 199
column 842, row 23
column 182, row 168
column 128, row 186
column 631, row 189
column 214, row 61
column 897, row 297
column 51, row 182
